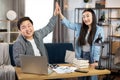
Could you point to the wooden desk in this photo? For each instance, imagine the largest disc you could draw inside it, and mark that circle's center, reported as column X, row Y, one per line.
column 54, row 75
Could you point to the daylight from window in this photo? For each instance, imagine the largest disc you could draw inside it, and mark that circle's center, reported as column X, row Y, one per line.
column 40, row 11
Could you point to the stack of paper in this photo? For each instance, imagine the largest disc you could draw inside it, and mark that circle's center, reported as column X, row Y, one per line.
column 81, row 63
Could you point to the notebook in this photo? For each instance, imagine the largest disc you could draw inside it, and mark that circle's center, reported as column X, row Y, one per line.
column 34, row 64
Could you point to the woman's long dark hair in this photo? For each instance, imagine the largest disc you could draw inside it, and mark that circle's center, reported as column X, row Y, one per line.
column 84, row 29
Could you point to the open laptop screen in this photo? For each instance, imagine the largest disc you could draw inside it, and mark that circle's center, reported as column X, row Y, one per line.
column 34, row 64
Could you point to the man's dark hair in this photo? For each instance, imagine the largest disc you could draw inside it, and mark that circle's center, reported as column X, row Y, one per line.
column 22, row 20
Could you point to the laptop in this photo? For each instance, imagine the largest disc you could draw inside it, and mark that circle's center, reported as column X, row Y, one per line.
column 34, row 64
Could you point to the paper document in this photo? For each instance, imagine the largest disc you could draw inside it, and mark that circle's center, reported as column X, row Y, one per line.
column 65, row 69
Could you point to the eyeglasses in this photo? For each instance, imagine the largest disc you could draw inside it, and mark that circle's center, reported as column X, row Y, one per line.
column 53, row 66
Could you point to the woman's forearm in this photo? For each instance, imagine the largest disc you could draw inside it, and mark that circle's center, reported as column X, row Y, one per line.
column 61, row 16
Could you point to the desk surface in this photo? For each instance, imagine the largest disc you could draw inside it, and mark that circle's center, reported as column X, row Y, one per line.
column 54, row 75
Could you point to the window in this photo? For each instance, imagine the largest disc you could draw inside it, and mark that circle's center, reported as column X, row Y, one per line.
column 40, row 11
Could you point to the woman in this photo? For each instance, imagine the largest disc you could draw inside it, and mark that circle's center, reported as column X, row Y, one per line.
column 86, row 34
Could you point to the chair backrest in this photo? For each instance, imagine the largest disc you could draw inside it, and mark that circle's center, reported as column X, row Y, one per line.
column 56, row 51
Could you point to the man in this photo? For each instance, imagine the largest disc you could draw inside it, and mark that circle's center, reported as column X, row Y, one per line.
column 30, row 42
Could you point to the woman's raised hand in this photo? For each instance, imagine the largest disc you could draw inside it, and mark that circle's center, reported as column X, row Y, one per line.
column 58, row 11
